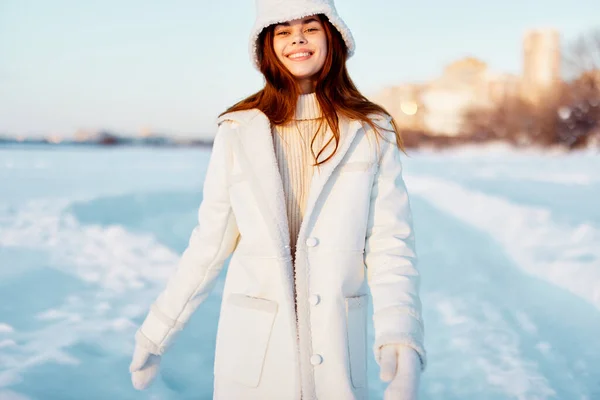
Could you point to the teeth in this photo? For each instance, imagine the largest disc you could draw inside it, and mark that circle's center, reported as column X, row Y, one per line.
column 297, row 55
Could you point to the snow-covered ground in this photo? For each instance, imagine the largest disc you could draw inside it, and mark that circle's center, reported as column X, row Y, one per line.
column 509, row 244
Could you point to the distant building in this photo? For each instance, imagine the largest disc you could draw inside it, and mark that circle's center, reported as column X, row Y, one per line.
column 541, row 63
column 403, row 103
column 438, row 107
column 502, row 86
column 447, row 98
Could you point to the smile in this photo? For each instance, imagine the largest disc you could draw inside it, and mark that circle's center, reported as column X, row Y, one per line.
column 300, row 56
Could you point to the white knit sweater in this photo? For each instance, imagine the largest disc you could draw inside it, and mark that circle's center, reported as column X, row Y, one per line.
column 292, row 142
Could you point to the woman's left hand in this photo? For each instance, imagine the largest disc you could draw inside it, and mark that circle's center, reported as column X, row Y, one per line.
column 401, row 365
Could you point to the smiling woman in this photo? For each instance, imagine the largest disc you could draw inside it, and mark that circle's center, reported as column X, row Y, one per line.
column 301, row 46
column 304, row 188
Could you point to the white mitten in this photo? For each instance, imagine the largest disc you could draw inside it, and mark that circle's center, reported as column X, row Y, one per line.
column 143, row 367
column 401, row 365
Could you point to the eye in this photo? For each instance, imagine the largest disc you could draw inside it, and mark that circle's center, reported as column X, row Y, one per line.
column 281, row 33
column 312, row 29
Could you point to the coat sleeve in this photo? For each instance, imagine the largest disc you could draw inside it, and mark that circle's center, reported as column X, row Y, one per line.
column 211, row 242
column 390, row 257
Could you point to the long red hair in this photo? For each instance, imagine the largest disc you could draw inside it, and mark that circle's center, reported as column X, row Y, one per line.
column 335, row 91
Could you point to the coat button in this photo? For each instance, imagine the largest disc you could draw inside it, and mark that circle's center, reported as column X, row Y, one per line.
column 314, row 299
column 316, row 359
column 312, row 241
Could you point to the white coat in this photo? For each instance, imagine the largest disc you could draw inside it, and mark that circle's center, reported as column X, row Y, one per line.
column 356, row 235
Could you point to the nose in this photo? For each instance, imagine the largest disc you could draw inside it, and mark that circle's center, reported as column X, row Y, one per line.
column 299, row 38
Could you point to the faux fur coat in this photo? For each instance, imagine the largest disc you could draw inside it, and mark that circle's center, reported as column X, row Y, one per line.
column 356, row 237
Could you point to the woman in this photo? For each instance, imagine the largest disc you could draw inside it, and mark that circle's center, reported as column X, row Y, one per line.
column 304, row 186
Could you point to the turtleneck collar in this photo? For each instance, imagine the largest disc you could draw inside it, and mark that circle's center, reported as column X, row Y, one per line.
column 307, row 107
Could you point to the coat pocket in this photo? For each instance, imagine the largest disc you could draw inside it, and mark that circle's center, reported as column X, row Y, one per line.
column 244, row 337
column 356, row 325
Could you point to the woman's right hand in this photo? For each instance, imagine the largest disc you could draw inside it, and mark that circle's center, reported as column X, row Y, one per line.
column 143, row 367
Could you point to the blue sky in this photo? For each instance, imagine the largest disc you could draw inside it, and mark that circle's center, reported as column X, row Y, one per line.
column 173, row 66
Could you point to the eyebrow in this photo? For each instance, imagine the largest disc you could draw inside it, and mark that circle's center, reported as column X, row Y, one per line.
column 306, row 21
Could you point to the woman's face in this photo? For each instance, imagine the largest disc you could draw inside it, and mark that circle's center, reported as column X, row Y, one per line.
column 301, row 45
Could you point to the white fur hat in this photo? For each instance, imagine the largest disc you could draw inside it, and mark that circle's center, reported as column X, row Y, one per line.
column 269, row 12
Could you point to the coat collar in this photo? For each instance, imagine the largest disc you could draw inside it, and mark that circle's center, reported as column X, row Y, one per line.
column 257, row 143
